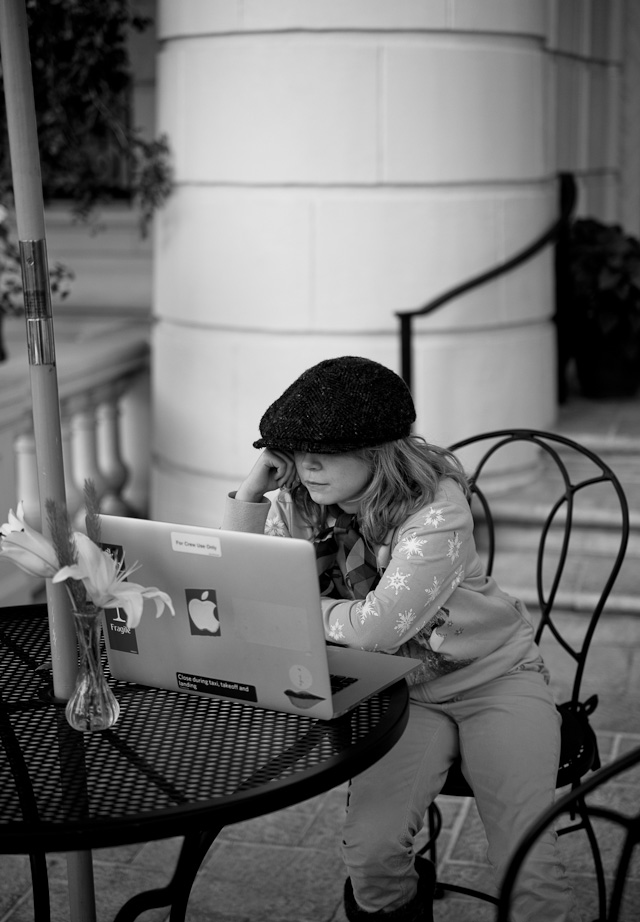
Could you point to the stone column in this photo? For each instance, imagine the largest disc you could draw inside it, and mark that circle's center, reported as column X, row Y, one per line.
column 337, row 162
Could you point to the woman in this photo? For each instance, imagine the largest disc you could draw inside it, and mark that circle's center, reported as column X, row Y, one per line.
column 399, row 573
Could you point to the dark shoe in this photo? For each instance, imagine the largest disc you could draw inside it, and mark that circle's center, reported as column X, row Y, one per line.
column 419, row 909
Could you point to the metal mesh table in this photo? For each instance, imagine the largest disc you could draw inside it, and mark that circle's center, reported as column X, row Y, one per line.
column 174, row 764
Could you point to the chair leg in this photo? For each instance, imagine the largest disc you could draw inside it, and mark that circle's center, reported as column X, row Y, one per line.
column 430, row 848
column 434, row 823
column 40, row 885
column 586, row 824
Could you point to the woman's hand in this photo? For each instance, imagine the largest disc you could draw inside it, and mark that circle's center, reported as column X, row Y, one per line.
column 272, row 471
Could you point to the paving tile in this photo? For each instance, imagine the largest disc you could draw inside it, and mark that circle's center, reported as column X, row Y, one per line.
column 471, row 843
column 620, row 796
column 325, row 830
column 608, row 744
column 619, row 713
column 634, row 675
column 457, row 908
column 630, row 911
column 626, row 744
column 161, row 853
column 462, row 909
column 612, row 629
column 120, row 854
column 15, row 881
column 286, row 827
column 114, row 885
column 442, row 844
column 307, row 823
column 450, row 809
column 246, row 881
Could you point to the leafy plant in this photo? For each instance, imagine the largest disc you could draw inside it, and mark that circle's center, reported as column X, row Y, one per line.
column 60, row 277
column 604, row 271
column 90, row 154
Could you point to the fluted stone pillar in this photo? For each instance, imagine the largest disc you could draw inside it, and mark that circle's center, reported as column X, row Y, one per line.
column 337, row 162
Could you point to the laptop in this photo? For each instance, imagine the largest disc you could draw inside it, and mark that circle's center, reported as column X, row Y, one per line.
column 247, row 624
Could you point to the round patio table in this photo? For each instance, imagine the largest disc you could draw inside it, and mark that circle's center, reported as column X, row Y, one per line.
column 174, row 764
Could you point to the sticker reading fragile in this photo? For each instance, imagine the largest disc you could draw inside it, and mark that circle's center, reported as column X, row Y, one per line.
column 119, row 635
column 207, row 545
column 222, row 687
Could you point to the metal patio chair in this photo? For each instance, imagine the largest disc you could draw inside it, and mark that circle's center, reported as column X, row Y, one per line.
column 579, row 800
column 498, row 463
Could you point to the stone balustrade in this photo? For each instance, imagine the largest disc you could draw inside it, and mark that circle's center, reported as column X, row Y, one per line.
column 103, row 385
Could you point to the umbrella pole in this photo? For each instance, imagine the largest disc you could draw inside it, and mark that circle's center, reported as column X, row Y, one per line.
column 27, row 188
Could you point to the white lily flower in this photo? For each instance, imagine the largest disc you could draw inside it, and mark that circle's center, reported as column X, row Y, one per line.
column 26, row 547
column 106, row 582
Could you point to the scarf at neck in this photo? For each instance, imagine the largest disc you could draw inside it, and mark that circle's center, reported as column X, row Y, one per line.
column 342, row 543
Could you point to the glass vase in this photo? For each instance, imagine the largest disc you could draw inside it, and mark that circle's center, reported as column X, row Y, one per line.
column 92, row 706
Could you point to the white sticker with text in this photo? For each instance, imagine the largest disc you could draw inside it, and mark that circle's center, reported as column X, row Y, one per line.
column 196, row 544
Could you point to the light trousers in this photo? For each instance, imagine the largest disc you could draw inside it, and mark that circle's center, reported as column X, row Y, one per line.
column 508, row 735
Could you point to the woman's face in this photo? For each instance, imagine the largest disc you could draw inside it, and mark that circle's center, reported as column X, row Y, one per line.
column 333, row 479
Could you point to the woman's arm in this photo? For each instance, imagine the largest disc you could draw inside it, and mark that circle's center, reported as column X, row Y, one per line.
column 248, row 508
column 274, row 470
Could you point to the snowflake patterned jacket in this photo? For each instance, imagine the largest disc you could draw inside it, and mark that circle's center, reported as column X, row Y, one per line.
column 434, row 601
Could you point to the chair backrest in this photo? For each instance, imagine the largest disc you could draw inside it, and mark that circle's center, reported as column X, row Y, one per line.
column 557, row 487
column 621, row 825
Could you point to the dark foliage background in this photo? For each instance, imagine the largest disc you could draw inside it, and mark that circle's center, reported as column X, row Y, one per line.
column 90, row 152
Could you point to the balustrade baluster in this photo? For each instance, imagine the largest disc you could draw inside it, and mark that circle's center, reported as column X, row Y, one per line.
column 73, row 493
column 27, row 478
column 110, row 460
column 84, row 452
column 20, row 587
column 135, row 431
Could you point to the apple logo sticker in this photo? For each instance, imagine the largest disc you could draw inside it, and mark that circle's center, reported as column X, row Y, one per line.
column 202, row 607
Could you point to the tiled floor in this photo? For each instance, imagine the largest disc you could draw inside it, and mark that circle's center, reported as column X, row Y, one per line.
column 286, row 867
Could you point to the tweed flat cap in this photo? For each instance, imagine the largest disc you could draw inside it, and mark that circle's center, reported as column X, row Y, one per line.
column 341, row 404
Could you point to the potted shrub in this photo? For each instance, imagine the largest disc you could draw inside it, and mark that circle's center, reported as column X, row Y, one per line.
column 604, row 291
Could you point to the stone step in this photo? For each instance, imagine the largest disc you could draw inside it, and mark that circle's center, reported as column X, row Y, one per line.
column 520, row 513
column 594, row 531
column 580, row 588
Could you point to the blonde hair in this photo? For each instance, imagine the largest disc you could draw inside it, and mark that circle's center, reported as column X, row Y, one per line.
column 405, row 475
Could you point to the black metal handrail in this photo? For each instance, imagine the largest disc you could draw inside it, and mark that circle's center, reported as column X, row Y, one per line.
column 567, row 205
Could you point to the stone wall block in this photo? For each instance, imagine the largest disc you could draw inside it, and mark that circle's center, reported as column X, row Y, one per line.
column 509, row 380
column 453, row 110
column 382, row 253
column 235, row 257
column 220, row 16
column 302, row 110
